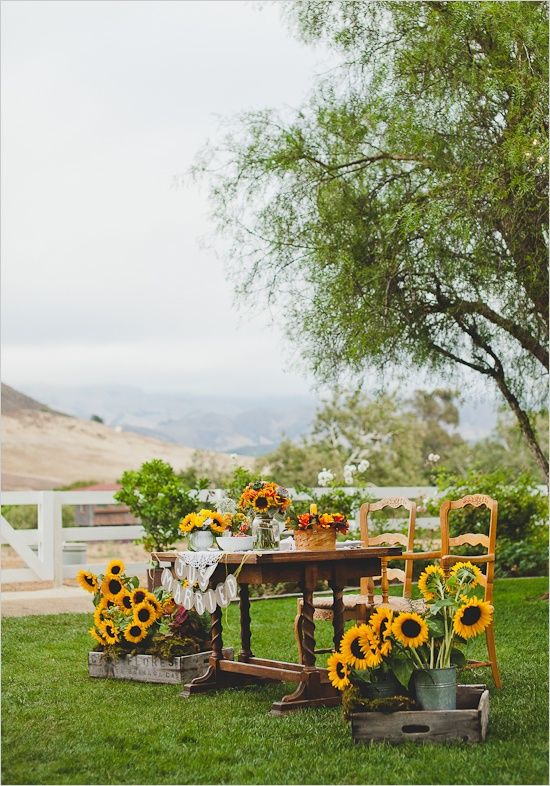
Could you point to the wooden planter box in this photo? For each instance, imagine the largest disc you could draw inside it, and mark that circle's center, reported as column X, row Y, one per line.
column 468, row 723
column 148, row 668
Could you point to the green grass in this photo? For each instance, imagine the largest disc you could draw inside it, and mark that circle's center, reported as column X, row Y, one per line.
column 60, row 726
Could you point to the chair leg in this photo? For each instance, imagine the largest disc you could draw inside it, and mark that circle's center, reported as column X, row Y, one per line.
column 298, row 635
column 491, row 649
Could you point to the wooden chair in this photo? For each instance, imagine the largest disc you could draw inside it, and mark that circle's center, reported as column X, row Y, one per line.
column 474, row 539
column 359, row 607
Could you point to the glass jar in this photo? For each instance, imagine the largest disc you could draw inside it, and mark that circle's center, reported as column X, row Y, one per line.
column 266, row 533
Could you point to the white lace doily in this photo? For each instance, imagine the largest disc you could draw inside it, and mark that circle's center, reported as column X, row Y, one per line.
column 200, row 559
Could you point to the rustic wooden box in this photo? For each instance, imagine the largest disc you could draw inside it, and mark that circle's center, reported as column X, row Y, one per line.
column 148, row 668
column 468, row 723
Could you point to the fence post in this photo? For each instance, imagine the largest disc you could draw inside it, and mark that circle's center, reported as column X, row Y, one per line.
column 45, row 526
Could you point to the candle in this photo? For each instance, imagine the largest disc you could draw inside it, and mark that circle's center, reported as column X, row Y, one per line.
column 313, row 510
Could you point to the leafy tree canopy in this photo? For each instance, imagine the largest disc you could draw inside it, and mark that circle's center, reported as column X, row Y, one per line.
column 400, row 216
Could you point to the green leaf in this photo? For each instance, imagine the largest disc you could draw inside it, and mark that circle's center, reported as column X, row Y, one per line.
column 403, row 668
column 436, row 628
column 458, row 658
column 437, row 605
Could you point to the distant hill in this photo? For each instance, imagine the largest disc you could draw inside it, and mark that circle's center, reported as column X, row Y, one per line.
column 230, row 424
column 45, row 449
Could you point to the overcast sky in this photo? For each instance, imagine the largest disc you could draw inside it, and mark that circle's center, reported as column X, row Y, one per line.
column 105, row 277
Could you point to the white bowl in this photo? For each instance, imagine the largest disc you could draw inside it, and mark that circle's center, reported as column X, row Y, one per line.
column 235, row 544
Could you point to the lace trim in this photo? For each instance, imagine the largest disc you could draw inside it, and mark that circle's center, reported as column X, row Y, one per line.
column 199, row 559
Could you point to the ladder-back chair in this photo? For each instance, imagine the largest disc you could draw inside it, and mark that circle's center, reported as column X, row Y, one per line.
column 488, row 542
column 359, row 607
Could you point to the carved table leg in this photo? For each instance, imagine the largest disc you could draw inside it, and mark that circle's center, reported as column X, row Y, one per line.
column 337, row 614
column 244, row 604
column 314, row 690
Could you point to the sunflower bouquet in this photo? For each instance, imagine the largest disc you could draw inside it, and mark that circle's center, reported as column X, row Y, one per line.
column 400, row 644
column 264, row 498
column 205, row 520
column 128, row 619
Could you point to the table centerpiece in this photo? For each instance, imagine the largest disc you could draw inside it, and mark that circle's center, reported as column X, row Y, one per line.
column 265, row 500
column 316, row 531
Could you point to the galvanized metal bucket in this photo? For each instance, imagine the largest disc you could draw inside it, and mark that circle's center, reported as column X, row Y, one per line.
column 436, row 688
column 382, row 689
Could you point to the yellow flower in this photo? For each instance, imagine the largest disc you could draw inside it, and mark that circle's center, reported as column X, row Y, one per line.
column 472, row 618
column 87, row 580
column 169, row 606
column 189, row 523
column 138, row 595
column 112, row 588
column 135, row 632
column 338, row 671
column 219, row 522
column 410, row 629
column 125, row 602
column 370, row 645
column 145, row 614
column 115, row 567
column 351, row 648
column 152, row 600
column 380, row 621
column 94, row 633
column 109, row 631
column 467, row 573
column 428, row 580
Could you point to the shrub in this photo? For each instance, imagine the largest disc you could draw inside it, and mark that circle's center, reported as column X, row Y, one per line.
column 159, row 499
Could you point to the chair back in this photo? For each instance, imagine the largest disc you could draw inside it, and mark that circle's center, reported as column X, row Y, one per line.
column 389, row 539
column 488, row 542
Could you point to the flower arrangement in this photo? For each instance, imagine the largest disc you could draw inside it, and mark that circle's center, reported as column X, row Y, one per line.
column 205, row 520
column 398, row 644
column 263, row 497
column 128, row 619
column 314, row 520
column 239, row 525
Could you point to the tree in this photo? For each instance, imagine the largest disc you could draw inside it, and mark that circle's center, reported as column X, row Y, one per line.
column 400, row 217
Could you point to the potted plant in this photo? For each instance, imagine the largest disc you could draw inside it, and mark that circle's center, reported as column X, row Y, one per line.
column 427, row 646
column 142, row 635
column 265, row 499
column 315, row 531
column 454, row 616
column 201, row 527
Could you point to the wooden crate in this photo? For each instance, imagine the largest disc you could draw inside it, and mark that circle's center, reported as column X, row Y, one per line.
column 148, row 668
column 468, row 723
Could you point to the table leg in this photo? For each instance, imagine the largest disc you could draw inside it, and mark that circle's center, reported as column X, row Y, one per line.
column 314, row 689
column 337, row 614
column 244, row 603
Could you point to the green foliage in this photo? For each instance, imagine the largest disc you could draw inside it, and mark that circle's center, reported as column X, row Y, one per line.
column 524, row 557
column 399, row 217
column 240, row 478
column 96, row 419
column 156, row 496
column 521, row 506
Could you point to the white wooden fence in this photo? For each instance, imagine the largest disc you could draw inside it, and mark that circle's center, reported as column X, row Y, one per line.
column 50, row 535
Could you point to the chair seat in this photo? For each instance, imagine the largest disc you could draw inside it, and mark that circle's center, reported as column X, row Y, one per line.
column 353, row 601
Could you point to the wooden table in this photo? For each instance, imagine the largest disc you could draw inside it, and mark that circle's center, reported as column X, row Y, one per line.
column 339, row 567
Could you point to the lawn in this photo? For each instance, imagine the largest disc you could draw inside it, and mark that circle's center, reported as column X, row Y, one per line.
column 60, row 726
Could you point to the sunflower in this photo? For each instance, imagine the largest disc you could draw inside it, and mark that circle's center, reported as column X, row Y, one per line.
column 380, row 622
column 112, row 588
column 351, row 648
column 169, row 606
column 370, row 645
column 472, row 618
column 125, row 601
column 338, row 671
column 219, row 522
column 428, row 581
column 467, row 573
column 138, row 596
column 115, row 567
column 135, row 632
column 87, row 580
column 95, row 634
column 261, row 503
column 154, row 602
column 100, row 615
column 109, row 631
column 410, row 629
column 145, row 614
column 190, row 522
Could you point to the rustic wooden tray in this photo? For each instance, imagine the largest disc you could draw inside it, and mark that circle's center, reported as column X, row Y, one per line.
column 147, row 668
column 468, row 723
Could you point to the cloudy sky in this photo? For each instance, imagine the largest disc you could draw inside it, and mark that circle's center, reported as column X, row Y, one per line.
column 105, row 274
